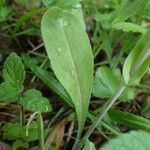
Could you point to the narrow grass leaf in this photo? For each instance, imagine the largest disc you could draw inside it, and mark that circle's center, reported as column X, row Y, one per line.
column 130, row 120
column 138, row 61
column 129, row 8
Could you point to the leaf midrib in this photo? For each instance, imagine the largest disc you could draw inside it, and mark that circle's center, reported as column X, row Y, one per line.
column 74, row 66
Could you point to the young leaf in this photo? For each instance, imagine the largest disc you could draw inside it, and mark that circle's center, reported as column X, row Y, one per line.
column 16, row 131
column 89, row 145
column 106, row 83
column 128, row 8
column 127, row 27
column 71, row 57
column 130, row 120
column 130, row 141
column 20, row 144
column 138, row 60
column 8, row 92
column 13, row 70
column 34, row 101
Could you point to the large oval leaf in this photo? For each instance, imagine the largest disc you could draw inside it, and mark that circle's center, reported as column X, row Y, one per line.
column 138, row 60
column 71, row 57
column 129, row 141
column 106, row 84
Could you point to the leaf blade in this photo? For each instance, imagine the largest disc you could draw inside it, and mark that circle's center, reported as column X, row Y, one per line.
column 72, row 53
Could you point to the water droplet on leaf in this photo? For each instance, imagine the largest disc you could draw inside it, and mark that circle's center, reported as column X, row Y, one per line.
column 65, row 23
column 72, row 72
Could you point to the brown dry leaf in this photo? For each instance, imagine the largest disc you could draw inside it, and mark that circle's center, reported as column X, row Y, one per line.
column 55, row 140
column 4, row 146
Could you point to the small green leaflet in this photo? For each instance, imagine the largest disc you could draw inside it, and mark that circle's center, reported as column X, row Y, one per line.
column 106, row 83
column 13, row 74
column 71, row 57
column 138, row 61
column 33, row 100
column 13, row 70
column 127, row 27
column 20, row 144
column 8, row 92
column 89, row 145
column 134, row 140
column 16, row 131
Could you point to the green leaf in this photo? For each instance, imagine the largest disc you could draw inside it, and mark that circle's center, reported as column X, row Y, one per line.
column 146, row 109
column 106, row 83
column 127, row 27
column 16, row 131
column 71, row 57
column 130, row 120
column 66, row 3
column 20, row 144
column 89, row 145
column 5, row 12
column 8, row 92
column 24, row 18
column 130, row 141
column 33, row 100
column 48, row 78
column 138, row 61
column 47, row 2
column 13, row 70
column 129, row 8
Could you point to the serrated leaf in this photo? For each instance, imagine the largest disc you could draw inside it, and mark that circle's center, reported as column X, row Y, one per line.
column 138, row 60
column 89, row 145
column 127, row 27
column 129, row 8
column 130, row 141
column 16, row 131
column 20, row 144
column 33, row 100
column 13, row 70
column 106, row 83
column 130, row 120
column 71, row 57
column 9, row 93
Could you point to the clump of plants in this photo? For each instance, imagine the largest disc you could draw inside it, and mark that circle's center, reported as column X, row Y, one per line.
column 90, row 74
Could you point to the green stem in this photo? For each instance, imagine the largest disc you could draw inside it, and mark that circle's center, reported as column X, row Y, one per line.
column 76, row 144
column 104, row 111
column 21, row 115
column 40, row 130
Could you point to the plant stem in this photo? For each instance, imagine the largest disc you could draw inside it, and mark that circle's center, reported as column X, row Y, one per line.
column 40, row 131
column 21, row 115
column 104, row 111
column 76, row 144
